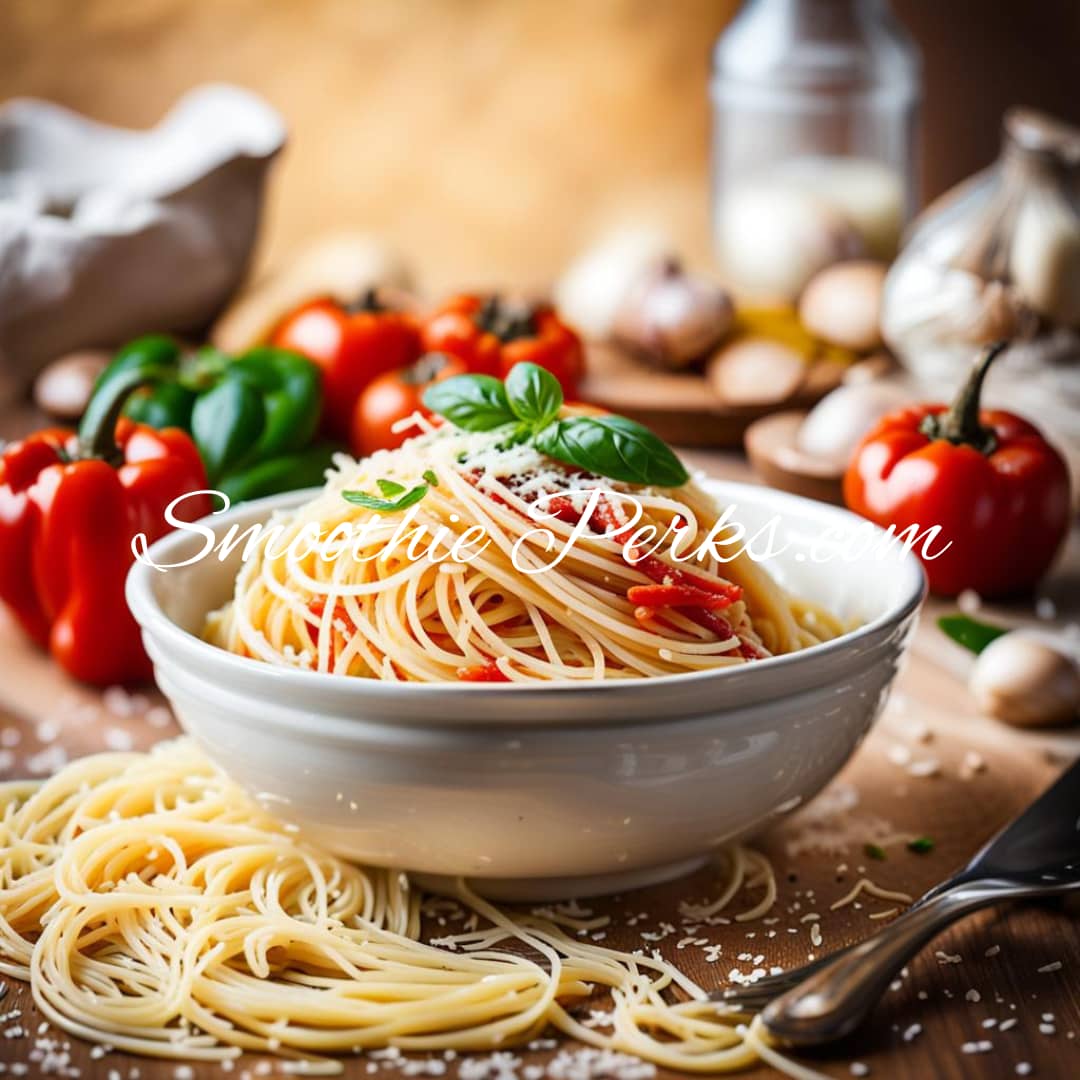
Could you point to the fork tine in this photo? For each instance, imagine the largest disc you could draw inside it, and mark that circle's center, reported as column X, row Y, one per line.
column 753, row 997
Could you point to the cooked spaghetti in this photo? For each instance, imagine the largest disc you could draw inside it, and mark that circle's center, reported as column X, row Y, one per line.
column 510, row 567
column 153, row 907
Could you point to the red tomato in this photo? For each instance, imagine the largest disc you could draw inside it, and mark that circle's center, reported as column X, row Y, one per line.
column 552, row 345
column 353, row 345
column 392, row 397
column 492, row 335
column 458, row 327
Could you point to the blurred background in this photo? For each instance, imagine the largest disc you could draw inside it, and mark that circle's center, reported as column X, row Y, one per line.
column 491, row 139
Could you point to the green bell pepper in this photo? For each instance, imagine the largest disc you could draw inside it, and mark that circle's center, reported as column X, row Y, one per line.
column 253, row 418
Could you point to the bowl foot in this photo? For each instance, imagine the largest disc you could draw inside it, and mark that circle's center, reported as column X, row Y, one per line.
column 517, row 890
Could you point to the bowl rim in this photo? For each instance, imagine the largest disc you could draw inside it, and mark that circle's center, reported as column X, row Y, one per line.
column 153, row 621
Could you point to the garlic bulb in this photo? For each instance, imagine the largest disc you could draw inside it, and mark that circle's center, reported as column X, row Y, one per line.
column 595, row 286
column 1023, row 681
column 633, row 290
column 673, row 318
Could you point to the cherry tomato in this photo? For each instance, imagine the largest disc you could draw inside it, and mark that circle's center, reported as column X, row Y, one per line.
column 392, row 397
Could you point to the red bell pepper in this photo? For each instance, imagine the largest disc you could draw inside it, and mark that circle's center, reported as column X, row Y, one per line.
column 70, row 505
column 997, row 489
column 353, row 345
column 492, row 335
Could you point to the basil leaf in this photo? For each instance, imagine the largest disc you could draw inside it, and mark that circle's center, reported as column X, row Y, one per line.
column 970, row 633
column 535, row 394
column 390, row 488
column 386, row 506
column 612, row 446
column 471, row 402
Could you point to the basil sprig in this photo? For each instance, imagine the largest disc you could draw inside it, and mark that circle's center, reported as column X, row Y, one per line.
column 528, row 405
column 386, row 506
column 396, row 497
column 533, row 394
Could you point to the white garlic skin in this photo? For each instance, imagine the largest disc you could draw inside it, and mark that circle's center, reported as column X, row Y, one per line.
column 1021, row 680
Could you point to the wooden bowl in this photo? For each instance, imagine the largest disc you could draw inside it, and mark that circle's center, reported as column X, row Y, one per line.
column 774, row 453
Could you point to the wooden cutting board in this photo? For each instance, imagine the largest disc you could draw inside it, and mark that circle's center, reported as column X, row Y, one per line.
column 682, row 407
column 930, row 767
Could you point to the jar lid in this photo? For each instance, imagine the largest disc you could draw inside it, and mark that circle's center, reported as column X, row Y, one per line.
column 1036, row 133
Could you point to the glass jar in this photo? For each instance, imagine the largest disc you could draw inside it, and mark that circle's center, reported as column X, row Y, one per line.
column 813, row 153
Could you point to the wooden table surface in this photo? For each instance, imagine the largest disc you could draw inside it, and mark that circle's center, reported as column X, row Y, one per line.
column 943, row 1018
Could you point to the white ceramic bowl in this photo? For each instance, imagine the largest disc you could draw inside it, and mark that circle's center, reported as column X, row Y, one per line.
column 558, row 790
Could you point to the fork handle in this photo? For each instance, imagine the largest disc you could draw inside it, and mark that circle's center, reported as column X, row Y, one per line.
column 834, row 1000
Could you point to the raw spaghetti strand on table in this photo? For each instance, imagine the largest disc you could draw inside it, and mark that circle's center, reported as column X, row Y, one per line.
column 154, row 907
column 618, row 604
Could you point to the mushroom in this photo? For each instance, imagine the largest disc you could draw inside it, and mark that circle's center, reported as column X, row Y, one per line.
column 842, row 305
column 754, row 370
column 1022, row 680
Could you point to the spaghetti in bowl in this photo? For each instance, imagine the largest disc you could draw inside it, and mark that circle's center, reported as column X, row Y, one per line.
column 542, row 787
column 460, row 557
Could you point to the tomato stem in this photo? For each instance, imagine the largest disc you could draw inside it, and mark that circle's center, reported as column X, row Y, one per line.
column 959, row 424
column 367, row 301
column 507, row 320
column 424, row 370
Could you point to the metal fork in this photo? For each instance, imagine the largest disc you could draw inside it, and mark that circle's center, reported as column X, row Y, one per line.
column 1037, row 855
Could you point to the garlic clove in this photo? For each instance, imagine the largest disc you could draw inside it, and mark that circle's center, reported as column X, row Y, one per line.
column 1044, row 260
column 62, row 389
column 673, row 318
column 842, row 305
column 1021, row 680
column 835, row 425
